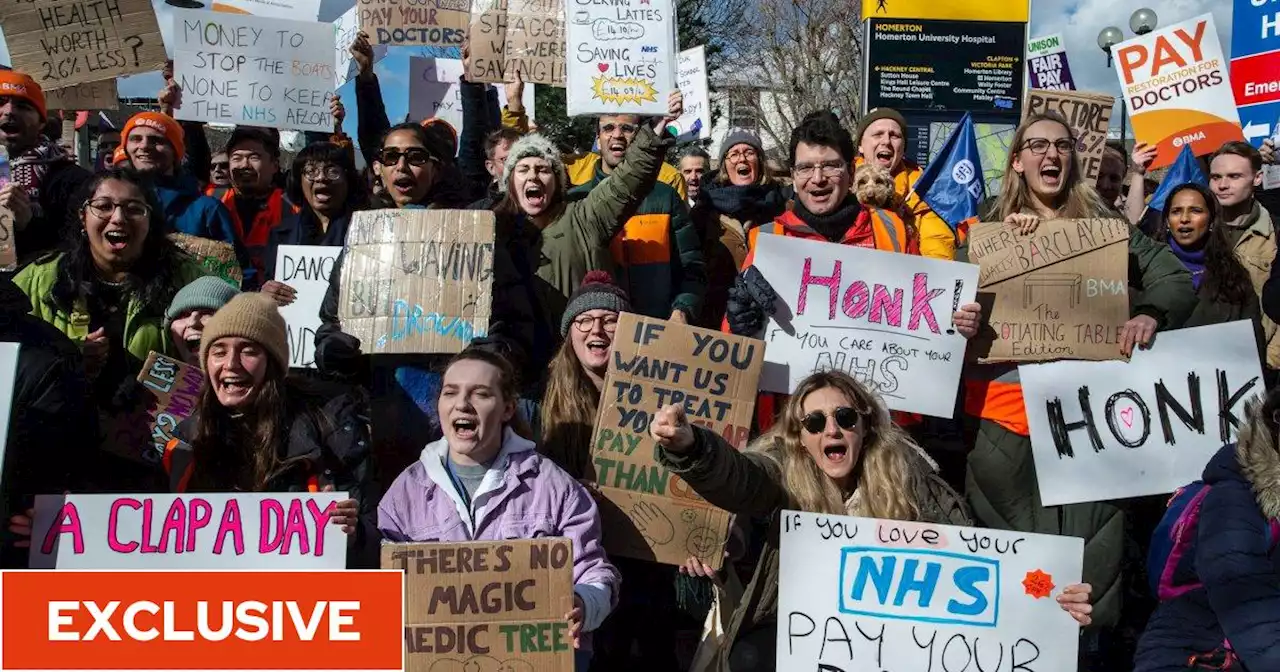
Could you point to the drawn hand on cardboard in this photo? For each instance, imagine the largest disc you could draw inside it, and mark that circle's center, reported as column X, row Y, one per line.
column 480, row 664
column 652, row 523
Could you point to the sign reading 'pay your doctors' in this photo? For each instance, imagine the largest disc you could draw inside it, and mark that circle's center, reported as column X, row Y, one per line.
column 1176, row 86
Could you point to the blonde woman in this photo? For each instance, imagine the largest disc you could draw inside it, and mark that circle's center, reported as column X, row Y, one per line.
column 833, row 450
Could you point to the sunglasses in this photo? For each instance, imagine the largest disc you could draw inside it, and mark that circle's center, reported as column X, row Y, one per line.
column 846, row 419
column 416, row 156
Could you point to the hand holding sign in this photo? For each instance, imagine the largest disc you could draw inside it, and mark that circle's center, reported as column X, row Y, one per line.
column 20, row 525
column 575, row 621
column 675, row 108
column 1137, row 331
column 282, row 294
column 670, row 428
column 345, row 514
column 1074, row 599
column 362, row 54
column 14, row 199
column 1143, row 155
column 1026, row 224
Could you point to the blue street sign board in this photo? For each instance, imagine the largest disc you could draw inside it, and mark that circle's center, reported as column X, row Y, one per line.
column 1255, row 67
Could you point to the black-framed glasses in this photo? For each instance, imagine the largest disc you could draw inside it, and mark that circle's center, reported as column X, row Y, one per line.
column 846, row 419
column 104, row 208
column 627, row 129
column 1040, row 146
column 327, row 171
column 586, row 323
column 805, row 171
column 416, row 156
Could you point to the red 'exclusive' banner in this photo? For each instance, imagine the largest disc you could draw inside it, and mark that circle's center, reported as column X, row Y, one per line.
column 73, row 620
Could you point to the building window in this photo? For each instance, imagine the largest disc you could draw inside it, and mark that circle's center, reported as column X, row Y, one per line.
column 744, row 109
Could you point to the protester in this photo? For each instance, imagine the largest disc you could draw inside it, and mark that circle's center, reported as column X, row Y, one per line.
column 219, row 172
column 1044, row 181
column 484, row 481
column 1111, row 174
column 107, row 143
column 254, row 429
column 833, row 450
column 189, row 313
column 882, row 140
column 256, row 204
column 1219, row 598
column 694, row 163
column 1134, row 204
column 47, row 184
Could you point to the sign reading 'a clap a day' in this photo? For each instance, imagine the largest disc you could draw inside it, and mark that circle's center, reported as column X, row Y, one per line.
column 621, row 57
column 206, row 531
column 858, row 594
column 240, row 69
column 62, row 43
column 486, row 606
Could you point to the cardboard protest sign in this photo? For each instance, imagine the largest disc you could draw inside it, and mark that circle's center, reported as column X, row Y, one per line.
column 652, row 514
column 1112, row 430
column 241, row 69
column 101, row 95
column 860, row 594
column 216, row 256
column 1059, row 293
column 305, row 268
column 176, row 387
column 525, row 38
column 621, row 57
column 417, row 281
column 206, row 531
column 345, row 29
column 1047, row 64
column 1177, row 90
column 61, row 43
column 435, row 90
column 8, row 250
column 1089, row 115
column 489, row 606
column 422, row 23
column 8, row 375
column 883, row 318
column 691, row 77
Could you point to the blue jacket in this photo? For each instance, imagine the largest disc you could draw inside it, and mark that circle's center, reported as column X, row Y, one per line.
column 1239, row 602
column 189, row 211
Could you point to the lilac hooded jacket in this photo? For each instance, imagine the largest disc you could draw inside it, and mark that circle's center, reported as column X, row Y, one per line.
column 522, row 496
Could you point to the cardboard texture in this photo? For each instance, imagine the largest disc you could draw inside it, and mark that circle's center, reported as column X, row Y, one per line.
column 528, row 39
column 175, row 385
column 424, row 23
column 217, row 257
column 92, row 96
column 417, row 281
column 1089, row 115
column 1059, row 293
column 652, row 514
column 62, row 43
column 487, row 606
column 8, row 250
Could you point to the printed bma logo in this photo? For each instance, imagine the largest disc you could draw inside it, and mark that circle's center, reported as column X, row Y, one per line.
column 920, row 585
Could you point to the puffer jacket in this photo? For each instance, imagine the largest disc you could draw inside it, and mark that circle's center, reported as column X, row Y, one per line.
column 1239, row 601
column 750, row 483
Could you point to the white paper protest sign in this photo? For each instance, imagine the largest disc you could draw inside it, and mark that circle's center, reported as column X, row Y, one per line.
column 1111, row 430
column 201, row 532
column 8, row 375
column 297, row 10
column 859, row 594
column 345, row 29
column 306, row 269
column 691, row 77
column 435, row 91
column 620, row 57
column 882, row 317
column 239, row 69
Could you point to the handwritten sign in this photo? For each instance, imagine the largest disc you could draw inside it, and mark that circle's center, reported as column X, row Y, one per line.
column 651, row 514
column 417, row 281
column 8, row 375
column 305, row 268
column 1047, row 64
column 691, row 77
column 241, row 69
column 621, row 56
column 215, row 256
column 206, row 531
column 175, row 385
column 345, row 29
column 8, row 250
column 422, row 23
column 1089, row 115
column 62, row 43
column 1059, row 293
column 1111, row 430
column 435, row 90
column 526, row 38
column 1177, row 90
column 488, row 605
column 860, row 594
column 881, row 317
column 101, row 95
column 298, row 10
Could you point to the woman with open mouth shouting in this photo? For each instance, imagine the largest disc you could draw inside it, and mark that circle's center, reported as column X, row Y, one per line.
column 833, row 449
column 485, row 481
column 108, row 289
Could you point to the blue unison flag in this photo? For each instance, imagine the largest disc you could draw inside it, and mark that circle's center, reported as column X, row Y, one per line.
column 1185, row 169
column 952, row 185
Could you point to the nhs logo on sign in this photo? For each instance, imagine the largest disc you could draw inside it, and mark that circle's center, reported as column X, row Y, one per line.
column 920, row 585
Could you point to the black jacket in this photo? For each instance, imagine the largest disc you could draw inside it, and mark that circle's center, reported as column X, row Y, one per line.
column 62, row 192
column 301, row 228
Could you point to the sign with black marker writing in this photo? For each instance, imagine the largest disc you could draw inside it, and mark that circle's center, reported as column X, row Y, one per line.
column 100, row 95
column 860, row 594
column 491, row 606
column 1111, row 430
column 651, row 513
column 422, row 23
column 882, row 317
column 525, row 37
column 306, row 269
column 242, row 69
column 1089, row 115
column 1059, row 293
column 61, row 43
column 176, row 386
column 622, row 56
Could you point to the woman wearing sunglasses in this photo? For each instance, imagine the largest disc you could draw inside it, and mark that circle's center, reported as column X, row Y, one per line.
column 832, row 450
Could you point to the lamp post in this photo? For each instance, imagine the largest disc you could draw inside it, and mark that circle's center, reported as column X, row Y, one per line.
column 1141, row 22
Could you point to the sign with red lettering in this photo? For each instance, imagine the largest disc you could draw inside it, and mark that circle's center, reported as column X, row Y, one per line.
column 207, row 531
column 176, row 387
column 1176, row 86
column 1255, row 68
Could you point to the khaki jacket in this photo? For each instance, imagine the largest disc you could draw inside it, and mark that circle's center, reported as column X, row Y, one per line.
column 1256, row 249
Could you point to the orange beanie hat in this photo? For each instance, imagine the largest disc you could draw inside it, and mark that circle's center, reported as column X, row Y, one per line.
column 157, row 122
column 18, row 85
